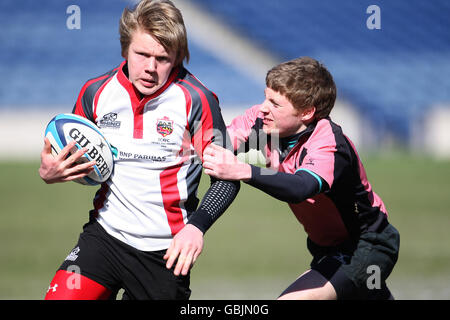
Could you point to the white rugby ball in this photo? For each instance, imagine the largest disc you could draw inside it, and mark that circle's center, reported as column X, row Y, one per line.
column 65, row 127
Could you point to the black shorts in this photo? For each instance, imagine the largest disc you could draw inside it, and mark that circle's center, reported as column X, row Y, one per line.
column 116, row 265
column 359, row 271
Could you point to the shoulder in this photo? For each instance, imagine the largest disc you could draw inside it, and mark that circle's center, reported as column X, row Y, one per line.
column 326, row 132
column 91, row 86
column 329, row 141
column 326, row 126
column 84, row 103
column 329, row 132
column 248, row 119
column 195, row 88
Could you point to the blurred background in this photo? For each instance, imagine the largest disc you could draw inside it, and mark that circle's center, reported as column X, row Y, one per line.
column 391, row 64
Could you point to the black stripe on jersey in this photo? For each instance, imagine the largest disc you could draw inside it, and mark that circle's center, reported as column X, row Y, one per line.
column 302, row 155
column 87, row 99
column 348, row 192
column 197, row 108
column 371, row 218
column 193, row 176
column 256, row 140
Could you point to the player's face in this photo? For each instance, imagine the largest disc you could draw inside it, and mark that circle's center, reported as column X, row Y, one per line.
column 280, row 117
column 149, row 64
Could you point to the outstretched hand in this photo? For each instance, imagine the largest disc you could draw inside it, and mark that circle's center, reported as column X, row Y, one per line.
column 221, row 163
column 62, row 168
column 185, row 248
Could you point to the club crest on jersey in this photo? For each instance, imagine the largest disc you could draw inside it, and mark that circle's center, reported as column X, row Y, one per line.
column 164, row 126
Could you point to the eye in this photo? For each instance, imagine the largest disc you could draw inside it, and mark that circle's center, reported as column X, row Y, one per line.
column 274, row 104
column 162, row 59
column 142, row 54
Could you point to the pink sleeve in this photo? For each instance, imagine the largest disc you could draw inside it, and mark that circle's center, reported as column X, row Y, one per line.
column 241, row 126
column 321, row 147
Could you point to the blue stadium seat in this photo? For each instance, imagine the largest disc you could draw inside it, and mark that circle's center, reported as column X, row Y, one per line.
column 45, row 64
column 392, row 75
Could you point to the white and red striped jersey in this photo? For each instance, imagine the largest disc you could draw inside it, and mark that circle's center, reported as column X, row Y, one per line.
column 160, row 141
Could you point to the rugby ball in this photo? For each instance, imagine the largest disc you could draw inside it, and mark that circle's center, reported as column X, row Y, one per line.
column 65, row 127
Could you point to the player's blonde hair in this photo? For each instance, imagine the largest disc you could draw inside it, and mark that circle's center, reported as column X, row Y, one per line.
column 162, row 20
column 304, row 82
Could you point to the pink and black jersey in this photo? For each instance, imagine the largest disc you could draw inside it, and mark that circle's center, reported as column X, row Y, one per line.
column 160, row 140
column 319, row 174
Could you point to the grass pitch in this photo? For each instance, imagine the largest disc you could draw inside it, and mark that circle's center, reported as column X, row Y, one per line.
column 252, row 252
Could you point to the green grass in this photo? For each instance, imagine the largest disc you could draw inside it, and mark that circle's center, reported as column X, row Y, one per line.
column 253, row 251
column 416, row 192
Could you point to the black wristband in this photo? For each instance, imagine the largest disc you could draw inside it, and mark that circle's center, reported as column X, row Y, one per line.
column 201, row 219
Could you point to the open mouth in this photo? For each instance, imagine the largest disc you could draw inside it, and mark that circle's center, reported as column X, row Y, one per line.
column 267, row 121
column 148, row 83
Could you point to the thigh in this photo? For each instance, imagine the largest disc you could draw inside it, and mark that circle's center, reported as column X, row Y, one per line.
column 371, row 264
column 68, row 285
column 89, row 270
column 148, row 278
column 311, row 285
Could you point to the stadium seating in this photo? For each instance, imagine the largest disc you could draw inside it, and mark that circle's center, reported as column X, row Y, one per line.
column 43, row 63
column 392, row 75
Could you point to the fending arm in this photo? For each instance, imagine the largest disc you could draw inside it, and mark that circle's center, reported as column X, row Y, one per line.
column 288, row 187
column 216, row 200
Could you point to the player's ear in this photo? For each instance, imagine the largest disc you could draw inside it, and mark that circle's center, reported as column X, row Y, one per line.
column 308, row 113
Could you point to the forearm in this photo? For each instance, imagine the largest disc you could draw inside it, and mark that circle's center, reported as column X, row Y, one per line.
column 292, row 188
column 216, row 200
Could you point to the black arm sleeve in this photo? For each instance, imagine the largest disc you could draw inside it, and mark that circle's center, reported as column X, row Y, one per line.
column 206, row 113
column 288, row 187
column 216, row 200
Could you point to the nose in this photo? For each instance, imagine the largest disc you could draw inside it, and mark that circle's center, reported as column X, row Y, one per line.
column 264, row 107
column 151, row 64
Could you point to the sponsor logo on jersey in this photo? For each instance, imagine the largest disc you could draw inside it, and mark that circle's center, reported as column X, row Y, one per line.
column 164, row 126
column 130, row 155
column 109, row 120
